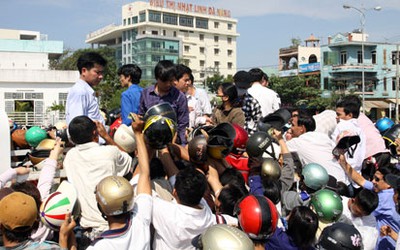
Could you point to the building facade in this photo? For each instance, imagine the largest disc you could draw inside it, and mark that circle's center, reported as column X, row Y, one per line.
column 28, row 88
column 342, row 65
column 201, row 37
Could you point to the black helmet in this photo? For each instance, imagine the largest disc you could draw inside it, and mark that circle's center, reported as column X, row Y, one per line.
column 224, row 129
column 200, row 130
column 390, row 136
column 198, row 149
column 159, row 131
column 164, row 109
column 340, row 236
column 258, row 143
column 220, row 141
column 276, row 120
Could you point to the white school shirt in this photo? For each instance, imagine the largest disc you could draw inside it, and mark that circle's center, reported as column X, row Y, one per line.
column 176, row 225
column 267, row 98
column 135, row 234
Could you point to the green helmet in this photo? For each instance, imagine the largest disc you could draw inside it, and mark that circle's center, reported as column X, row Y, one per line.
column 327, row 205
column 35, row 135
column 270, row 169
column 315, row 176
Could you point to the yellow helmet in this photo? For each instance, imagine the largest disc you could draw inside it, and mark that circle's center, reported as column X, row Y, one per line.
column 114, row 194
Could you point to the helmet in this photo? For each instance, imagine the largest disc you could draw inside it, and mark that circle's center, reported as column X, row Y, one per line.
column 240, row 140
column 198, row 149
column 200, row 130
column 315, row 176
column 233, row 238
column 258, row 144
column 46, row 144
column 61, row 125
column 113, row 115
column 339, row 236
column 224, row 129
column 37, row 156
column 219, row 147
column 390, row 136
column 164, row 109
column 114, row 194
column 18, row 137
column 159, row 131
column 125, row 138
column 54, row 208
column 257, row 216
column 384, row 124
column 276, row 120
column 270, row 169
column 327, row 205
column 35, row 135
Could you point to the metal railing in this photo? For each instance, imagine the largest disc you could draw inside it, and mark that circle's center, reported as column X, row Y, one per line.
column 36, row 119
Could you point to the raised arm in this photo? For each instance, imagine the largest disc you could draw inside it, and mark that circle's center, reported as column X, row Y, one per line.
column 353, row 174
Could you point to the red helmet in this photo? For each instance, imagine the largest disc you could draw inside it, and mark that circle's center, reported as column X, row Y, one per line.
column 241, row 138
column 258, row 216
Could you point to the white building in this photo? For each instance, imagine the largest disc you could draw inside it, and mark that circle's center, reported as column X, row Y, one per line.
column 202, row 37
column 28, row 88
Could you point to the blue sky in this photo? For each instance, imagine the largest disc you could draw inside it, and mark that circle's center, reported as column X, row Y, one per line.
column 264, row 25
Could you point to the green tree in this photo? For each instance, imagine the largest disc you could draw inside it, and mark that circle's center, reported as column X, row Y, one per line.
column 213, row 82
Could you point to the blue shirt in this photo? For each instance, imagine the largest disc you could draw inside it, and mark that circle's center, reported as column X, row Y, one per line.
column 280, row 240
column 385, row 214
column 177, row 100
column 130, row 101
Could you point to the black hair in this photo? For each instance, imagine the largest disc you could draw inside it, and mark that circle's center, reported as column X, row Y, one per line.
column 302, row 226
column 165, row 70
column 190, row 186
column 81, row 129
column 17, row 236
column 229, row 196
column 342, row 189
column 351, row 105
column 307, row 121
column 230, row 90
column 272, row 189
column 182, row 69
column 191, row 78
column 257, row 74
column 131, row 70
column 387, row 169
column 367, row 200
column 232, row 176
column 89, row 59
column 156, row 169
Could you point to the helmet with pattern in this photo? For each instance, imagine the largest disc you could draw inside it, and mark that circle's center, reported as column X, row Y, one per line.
column 257, row 216
column 114, row 195
column 340, row 236
column 159, row 131
column 258, row 143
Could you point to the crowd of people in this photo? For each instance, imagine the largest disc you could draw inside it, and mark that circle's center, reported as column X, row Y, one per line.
column 180, row 173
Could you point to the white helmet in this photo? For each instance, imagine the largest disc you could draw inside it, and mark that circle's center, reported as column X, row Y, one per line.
column 125, row 138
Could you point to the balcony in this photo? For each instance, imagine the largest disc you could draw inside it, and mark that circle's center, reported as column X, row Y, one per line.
column 353, row 67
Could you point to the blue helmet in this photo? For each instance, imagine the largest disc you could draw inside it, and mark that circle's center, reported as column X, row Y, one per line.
column 384, row 124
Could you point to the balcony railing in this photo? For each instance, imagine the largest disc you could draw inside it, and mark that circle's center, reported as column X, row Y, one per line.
column 36, row 119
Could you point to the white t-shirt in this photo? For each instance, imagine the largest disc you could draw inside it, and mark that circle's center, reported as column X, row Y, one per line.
column 366, row 225
column 136, row 233
column 86, row 165
column 267, row 98
column 176, row 225
column 316, row 147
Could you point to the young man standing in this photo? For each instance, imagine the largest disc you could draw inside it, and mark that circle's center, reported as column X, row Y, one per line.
column 129, row 76
column 164, row 91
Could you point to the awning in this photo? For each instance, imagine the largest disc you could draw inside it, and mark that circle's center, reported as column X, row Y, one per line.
column 375, row 104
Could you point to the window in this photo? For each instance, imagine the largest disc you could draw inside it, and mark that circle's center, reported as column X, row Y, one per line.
column 230, row 52
column 134, row 19
column 230, row 26
column 202, row 49
column 164, row 32
column 170, row 19
column 394, row 55
column 129, row 21
column 154, row 32
column 373, row 57
column 312, row 59
column 201, row 37
column 174, row 33
column 359, row 57
column 384, row 84
column 216, row 64
column 230, row 65
column 216, row 25
column 229, row 40
column 187, row 48
column 202, row 63
column 202, row 75
column 216, row 51
column 201, row 23
column 394, row 83
column 186, row 21
column 216, row 38
column 343, row 57
column 154, row 16
column 142, row 16
column 124, row 22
